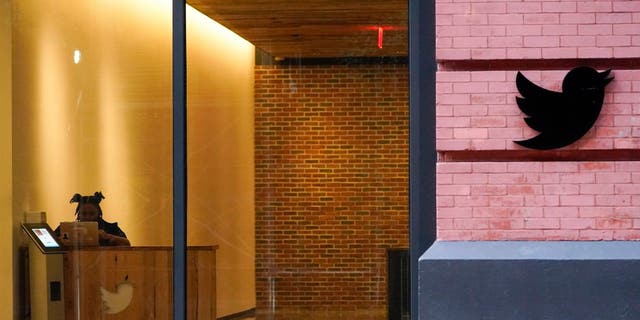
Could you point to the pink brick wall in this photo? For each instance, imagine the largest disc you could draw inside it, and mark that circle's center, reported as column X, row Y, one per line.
column 477, row 111
column 506, row 29
column 538, row 200
column 478, row 43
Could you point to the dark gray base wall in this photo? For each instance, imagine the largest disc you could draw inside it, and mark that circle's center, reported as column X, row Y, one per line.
column 541, row 280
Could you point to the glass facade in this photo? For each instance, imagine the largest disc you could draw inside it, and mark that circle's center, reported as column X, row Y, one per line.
column 297, row 161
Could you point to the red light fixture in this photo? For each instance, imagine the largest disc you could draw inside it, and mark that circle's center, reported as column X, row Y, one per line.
column 380, row 29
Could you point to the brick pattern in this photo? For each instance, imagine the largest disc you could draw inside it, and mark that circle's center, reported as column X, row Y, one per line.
column 504, row 29
column 331, row 152
column 478, row 111
column 539, row 201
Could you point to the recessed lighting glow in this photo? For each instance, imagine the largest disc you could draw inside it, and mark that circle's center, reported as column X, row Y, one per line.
column 76, row 56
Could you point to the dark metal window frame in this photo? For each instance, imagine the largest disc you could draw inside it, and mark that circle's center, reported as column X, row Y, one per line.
column 422, row 151
column 422, row 137
column 179, row 79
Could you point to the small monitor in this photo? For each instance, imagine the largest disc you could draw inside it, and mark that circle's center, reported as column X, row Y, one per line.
column 43, row 237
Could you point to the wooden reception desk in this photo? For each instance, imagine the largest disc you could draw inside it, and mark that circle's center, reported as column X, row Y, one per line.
column 144, row 274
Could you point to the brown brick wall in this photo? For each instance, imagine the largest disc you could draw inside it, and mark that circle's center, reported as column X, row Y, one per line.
column 331, row 183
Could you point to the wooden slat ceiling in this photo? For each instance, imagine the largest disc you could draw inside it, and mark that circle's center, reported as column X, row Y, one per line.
column 315, row 28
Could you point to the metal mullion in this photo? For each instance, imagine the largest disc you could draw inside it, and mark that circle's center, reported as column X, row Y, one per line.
column 179, row 78
column 422, row 149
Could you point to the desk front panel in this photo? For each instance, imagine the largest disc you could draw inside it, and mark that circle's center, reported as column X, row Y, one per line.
column 135, row 283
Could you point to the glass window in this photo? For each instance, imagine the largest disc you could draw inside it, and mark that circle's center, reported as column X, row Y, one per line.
column 92, row 115
column 298, row 156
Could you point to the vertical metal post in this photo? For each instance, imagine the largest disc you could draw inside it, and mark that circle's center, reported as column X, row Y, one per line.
column 422, row 140
column 179, row 161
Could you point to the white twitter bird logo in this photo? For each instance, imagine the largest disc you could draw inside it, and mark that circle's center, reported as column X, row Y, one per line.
column 115, row 302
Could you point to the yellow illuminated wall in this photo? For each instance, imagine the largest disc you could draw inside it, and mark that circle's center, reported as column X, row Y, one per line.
column 103, row 122
column 8, row 256
column 220, row 154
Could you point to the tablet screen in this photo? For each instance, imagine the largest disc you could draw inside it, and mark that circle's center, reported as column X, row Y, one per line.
column 42, row 236
column 45, row 237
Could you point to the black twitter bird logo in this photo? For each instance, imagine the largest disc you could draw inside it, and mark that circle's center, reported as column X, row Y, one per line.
column 562, row 117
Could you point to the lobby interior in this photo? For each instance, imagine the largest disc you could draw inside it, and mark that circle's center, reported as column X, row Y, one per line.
column 297, row 150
